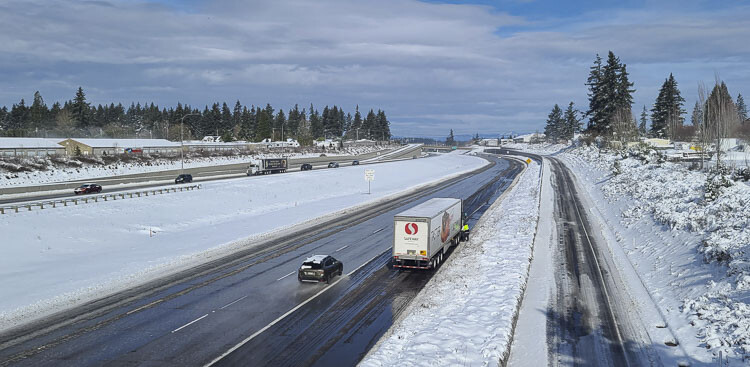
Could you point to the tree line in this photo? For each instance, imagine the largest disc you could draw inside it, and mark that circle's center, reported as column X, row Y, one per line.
column 715, row 114
column 78, row 118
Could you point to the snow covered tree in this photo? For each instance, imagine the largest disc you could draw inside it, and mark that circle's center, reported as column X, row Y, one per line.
column 610, row 91
column 741, row 109
column 572, row 124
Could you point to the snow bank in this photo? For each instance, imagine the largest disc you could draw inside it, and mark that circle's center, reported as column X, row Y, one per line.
column 691, row 250
column 465, row 314
column 28, row 171
column 57, row 258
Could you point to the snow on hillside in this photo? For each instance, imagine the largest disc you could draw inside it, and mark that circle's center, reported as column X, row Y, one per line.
column 692, row 250
column 28, row 171
column 59, row 257
column 464, row 315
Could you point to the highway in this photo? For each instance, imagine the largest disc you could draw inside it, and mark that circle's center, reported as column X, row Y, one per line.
column 249, row 308
column 160, row 178
column 590, row 318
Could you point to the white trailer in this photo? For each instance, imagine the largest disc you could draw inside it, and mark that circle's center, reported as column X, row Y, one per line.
column 424, row 233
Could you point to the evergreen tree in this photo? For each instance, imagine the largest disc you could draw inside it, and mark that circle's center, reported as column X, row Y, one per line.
column 368, row 125
column 450, row 140
column 38, row 112
column 357, row 122
column 572, row 123
column 666, row 115
column 644, row 121
column 280, row 124
column 316, row 123
column 80, row 109
column 265, row 121
column 596, row 100
column 741, row 108
column 384, row 126
column 18, row 119
column 696, row 118
column 555, row 124
column 610, row 93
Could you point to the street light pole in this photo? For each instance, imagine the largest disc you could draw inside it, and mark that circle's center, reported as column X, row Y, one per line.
column 182, row 148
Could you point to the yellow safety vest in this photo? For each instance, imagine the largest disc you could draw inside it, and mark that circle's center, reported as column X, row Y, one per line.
column 466, row 227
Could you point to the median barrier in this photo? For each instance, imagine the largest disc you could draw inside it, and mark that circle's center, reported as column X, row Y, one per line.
column 95, row 198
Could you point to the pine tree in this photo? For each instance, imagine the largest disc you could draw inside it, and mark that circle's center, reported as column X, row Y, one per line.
column 571, row 124
column 357, row 123
column 450, row 140
column 38, row 112
column 666, row 115
column 80, row 109
column 280, row 123
column 610, row 94
column 644, row 121
column 741, row 108
column 554, row 128
column 596, row 101
column 696, row 118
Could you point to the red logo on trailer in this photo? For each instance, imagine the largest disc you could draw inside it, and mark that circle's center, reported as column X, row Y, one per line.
column 411, row 228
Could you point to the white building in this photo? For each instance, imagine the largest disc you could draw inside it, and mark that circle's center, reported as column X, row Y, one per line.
column 92, row 146
column 29, row 147
column 327, row 144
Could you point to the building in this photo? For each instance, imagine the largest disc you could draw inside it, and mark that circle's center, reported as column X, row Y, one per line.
column 30, row 147
column 490, row 142
column 210, row 146
column 327, row 144
column 119, row 146
column 657, row 143
column 529, row 138
column 289, row 143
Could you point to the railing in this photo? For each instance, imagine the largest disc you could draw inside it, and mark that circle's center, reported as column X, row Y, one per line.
column 46, row 204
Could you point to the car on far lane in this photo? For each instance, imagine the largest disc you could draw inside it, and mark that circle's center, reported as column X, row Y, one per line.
column 87, row 189
column 355, row 163
column 184, row 178
column 333, row 165
column 319, row 268
column 305, row 167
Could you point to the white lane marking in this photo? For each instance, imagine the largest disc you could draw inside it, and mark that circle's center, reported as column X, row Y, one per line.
column 188, row 324
column 233, row 302
column 342, row 248
column 378, row 230
column 274, row 322
column 285, row 276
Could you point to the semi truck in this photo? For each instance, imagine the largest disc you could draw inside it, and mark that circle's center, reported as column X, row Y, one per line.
column 267, row 166
column 425, row 233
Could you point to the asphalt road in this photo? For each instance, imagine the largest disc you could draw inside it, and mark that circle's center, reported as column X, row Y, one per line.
column 155, row 179
column 253, row 298
column 590, row 318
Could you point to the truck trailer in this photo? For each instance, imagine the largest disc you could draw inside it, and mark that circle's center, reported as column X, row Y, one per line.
column 267, row 166
column 424, row 233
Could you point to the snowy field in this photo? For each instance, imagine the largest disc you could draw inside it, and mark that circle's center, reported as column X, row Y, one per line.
column 57, row 258
column 49, row 170
column 692, row 252
column 464, row 316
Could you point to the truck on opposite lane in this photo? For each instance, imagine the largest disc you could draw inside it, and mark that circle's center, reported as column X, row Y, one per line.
column 267, row 166
column 424, row 233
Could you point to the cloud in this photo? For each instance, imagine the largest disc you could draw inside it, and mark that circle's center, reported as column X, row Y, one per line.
column 430, row 66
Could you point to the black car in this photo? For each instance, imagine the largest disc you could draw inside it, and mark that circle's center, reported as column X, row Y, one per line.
column 184, row 178
column 319, row 268
column 333, row 165
column 305, row 167
column 87, row 189
column 355, row 163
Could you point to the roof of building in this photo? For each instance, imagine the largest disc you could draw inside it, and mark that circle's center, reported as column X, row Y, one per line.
column 429, row 208
column 11, row 143
column 126, row 143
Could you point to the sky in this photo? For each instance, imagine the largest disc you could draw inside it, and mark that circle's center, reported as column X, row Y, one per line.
column 487, row 67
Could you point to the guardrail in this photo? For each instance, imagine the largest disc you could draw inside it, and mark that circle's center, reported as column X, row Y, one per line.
column 46, row 204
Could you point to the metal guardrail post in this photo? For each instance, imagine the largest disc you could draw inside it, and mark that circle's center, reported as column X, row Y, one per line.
column 16, row 208
column 75, row 201
column 29, row 206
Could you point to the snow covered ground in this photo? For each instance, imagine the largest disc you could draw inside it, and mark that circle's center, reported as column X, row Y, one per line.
column 464, row 316
column 56, row 169
column 691, row 252
column 57, row 258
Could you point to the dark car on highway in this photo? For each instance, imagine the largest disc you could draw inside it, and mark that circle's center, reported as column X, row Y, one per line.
column 355, row 163
column 184, row 178
column 305, row 167
column 87, row 189
column 319, row 268
column 333, row 165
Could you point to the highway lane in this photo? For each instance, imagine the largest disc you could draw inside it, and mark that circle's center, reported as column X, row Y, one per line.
column 157, row 179
column 195, row 317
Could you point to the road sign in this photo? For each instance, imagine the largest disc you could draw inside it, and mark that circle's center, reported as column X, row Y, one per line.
column 369, row 177
column 528, row 161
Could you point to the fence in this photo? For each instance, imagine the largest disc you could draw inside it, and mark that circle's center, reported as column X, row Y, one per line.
column 92, row 199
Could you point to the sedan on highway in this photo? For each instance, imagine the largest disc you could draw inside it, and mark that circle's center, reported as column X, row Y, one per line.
column 305, row 167
column 333, row 165
column 319, row 268
column 355, row 163
column 87, row 189
column 184, row 178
